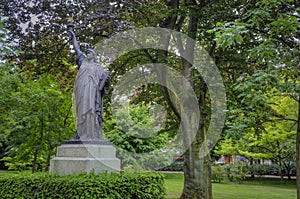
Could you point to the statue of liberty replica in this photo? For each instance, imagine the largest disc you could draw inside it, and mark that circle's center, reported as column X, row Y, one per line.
column 87, row 151
column 91, row 83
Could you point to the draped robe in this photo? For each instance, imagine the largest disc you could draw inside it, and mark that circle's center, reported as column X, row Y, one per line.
column 88, row 98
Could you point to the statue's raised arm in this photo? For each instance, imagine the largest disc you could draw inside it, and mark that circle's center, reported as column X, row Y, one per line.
column 79, row 54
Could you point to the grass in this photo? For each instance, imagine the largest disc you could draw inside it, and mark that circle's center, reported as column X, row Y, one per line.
column 174, row 185
column 251, row 189
column 4, row 173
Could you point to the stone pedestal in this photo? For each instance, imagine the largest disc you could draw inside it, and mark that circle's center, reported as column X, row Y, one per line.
column 79, row 157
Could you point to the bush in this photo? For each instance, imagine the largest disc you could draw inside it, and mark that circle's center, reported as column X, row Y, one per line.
column 236, row 172
column 172, row 167
column 264, row 169
column 125, row 185
column 218, row 173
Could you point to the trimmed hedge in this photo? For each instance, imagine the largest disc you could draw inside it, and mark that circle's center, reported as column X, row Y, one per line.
column 172, row 167
column 124, row 185
column 264, row 169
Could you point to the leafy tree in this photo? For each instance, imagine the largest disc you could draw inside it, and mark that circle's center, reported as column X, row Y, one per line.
column 40, row 32
column 9, row 83
column 270, row 30
column 138, row 138
column 263, row 126
column 5, row 48
column 38, row 120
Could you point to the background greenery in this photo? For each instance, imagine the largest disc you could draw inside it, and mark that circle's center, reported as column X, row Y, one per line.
column 254, row 44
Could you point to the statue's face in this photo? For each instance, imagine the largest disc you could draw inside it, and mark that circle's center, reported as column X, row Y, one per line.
column 90, row 55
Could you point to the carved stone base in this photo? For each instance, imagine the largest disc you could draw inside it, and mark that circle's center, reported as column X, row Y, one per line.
column 78, row 158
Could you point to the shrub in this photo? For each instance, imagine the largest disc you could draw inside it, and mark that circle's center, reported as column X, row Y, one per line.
column 125, row 185
column 263, row 169
column 172, row 167
column 236, row 172
column 218, row 173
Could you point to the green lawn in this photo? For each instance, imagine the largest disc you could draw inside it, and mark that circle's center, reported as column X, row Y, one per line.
column 4, row 173
column 251, row 189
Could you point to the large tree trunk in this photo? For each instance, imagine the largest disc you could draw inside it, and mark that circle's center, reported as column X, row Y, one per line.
column 197, row 175
column 197, row 163
column 197, row 168
column 298, row 149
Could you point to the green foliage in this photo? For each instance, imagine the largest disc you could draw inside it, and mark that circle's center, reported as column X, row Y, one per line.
column 249, row 36
column 229, row 34
column 226, row 147
column 39, row 29
column 138, row 138
column 236, row 172
column 35, row 117
column 263, row 169
column 172, row 167
column 125, row 185
column 218, row 173
column 263, row 123
column 10, row 81
column 143, row 14
column 15, row 164
column 138, row 133
column 268, row 24
column 5, row 48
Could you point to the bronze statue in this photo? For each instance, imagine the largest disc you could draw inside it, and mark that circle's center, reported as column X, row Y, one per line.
column 91, row 83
